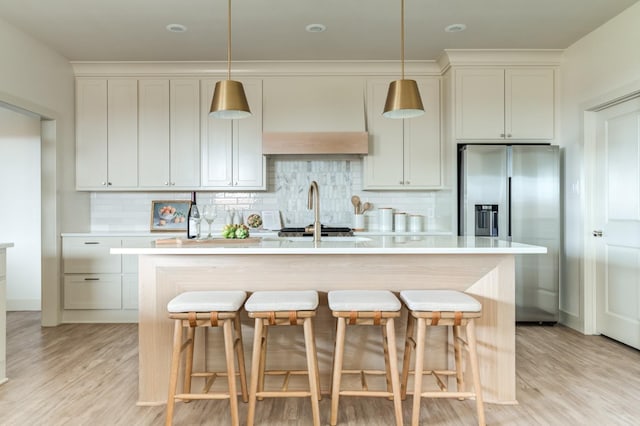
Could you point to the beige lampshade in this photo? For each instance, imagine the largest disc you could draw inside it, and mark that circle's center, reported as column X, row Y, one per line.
column 229, row 101
column 403, row 100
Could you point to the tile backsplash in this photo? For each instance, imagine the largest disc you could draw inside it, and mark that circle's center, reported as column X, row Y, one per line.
column 288, row 185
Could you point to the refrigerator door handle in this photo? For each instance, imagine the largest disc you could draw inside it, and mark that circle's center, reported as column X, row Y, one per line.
column 509, row 208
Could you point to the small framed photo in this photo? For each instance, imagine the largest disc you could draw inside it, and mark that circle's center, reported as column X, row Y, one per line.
column 169, row 216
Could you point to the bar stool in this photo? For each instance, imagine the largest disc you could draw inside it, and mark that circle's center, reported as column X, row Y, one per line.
column 206, row 309
column 441, row 308
column 366, row 307
column 270, row 308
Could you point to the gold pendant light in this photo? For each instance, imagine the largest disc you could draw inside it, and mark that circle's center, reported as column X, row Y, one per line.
column 403, row 97
column 229, row 100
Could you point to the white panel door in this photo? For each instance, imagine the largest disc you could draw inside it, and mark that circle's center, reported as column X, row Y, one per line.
column 479, row 104
column 217, row 143
column 185, row 133
column 248, row 162
column 122, row 122
column 383, row 167
column 529, row 107
column 618, row 223
column 91, row 134
column 153, row 137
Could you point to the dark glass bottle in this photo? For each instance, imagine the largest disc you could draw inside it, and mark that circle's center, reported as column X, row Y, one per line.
column 193, row 219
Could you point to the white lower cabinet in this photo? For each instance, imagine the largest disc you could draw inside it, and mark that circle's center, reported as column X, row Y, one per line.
column 95, row 291
column 99, row 286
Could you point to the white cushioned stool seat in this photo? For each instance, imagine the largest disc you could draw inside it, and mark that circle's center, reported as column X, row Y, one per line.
column 363, row 300
column 439, row 300
column 266, row 301
column 207, row 301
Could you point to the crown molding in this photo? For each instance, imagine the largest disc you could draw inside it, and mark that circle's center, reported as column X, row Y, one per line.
column 251, row 68
column 499, row 57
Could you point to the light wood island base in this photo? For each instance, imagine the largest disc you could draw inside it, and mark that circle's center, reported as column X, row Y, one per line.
column 488, row 277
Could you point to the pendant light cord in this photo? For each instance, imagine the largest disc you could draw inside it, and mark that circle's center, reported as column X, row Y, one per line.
column 401, row 36
column 229, row 41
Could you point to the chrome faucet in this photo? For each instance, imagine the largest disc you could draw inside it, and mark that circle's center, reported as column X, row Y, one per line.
column 314, row 203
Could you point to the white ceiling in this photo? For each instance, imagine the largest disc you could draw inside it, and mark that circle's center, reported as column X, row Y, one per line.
column 128, row 30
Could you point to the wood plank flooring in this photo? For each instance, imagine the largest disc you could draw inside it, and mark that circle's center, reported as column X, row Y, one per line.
column 85, row 374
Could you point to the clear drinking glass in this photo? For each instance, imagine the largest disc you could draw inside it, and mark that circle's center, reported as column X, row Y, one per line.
column 209, row 215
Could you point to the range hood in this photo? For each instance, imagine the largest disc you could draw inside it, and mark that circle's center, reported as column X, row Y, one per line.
column 315, row 143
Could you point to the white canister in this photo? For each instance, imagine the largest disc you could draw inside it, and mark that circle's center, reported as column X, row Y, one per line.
column 386, row 219
column 400, row 222
column 358, row 222
column 415, row 223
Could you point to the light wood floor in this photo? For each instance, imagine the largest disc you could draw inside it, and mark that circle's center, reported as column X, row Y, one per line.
column 85, row 374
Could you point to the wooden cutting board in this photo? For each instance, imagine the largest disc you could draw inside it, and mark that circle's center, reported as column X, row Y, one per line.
column 214, row 241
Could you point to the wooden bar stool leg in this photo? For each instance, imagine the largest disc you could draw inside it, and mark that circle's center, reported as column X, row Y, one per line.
column 337, row 369
column 231, row 370
column 263, row 358
column 475, row 372
column 175, row 366
column 406, row 358
column 385, row 349
column 315, row 351
column 240, row 355
column 419, row 367
column 393, row 366
column 457, row 348
column 188, row 369
column 312, row 364
column 255, row 370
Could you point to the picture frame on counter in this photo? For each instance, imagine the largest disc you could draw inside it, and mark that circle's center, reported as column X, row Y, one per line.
column 169, row 215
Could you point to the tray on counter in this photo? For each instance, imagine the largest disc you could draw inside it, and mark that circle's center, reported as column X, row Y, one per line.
column 214, row 241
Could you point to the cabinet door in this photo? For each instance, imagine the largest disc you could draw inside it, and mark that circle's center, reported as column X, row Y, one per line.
column 82, row 255
column 130, row 291
column 479, row 104
column 153, row 139
column 185, row 133
column 248, row 162
column 91, row 134
column 217, row 142
column 92, row 291
column 422, row 141
column 122, row 123
column 530, row 100
column 383, row 167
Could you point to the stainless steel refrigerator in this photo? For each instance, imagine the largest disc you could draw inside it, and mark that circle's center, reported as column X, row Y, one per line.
column 512, row 192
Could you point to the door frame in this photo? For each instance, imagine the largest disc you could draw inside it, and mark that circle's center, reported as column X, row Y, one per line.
column 590, row 167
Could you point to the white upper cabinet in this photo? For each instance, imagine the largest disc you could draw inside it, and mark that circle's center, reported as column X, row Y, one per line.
column 403, row 154
column 505, row 104
column 232, row 149
column 169, row 137
column 314, row 104
column 106, row 134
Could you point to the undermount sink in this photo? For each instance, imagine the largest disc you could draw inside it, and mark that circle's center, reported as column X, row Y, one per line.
column 328, row 239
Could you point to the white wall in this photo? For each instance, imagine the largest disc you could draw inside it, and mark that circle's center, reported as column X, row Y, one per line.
column 20, row 201
column 37, row 79
column 601, row 66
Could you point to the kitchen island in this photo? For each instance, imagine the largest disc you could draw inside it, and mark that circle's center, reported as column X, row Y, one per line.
column 482, row 267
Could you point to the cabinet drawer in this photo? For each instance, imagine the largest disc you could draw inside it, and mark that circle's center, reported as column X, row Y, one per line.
column 92, row 292
column 91, row 255
column 130, row 291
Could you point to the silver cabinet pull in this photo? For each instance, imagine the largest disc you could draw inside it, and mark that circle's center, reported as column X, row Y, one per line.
column 91, row 242
column 597, row 233
column 502, row 135
column 92, row 279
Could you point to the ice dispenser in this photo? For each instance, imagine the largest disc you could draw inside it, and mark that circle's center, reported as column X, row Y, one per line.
column 486, row 220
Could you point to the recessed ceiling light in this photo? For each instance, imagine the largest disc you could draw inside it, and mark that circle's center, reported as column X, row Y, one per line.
column 176, row 28
column 315, row 28
column 455, row 28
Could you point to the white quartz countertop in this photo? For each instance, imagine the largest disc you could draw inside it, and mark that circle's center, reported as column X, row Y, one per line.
column 432, row 244
column 5, row 245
